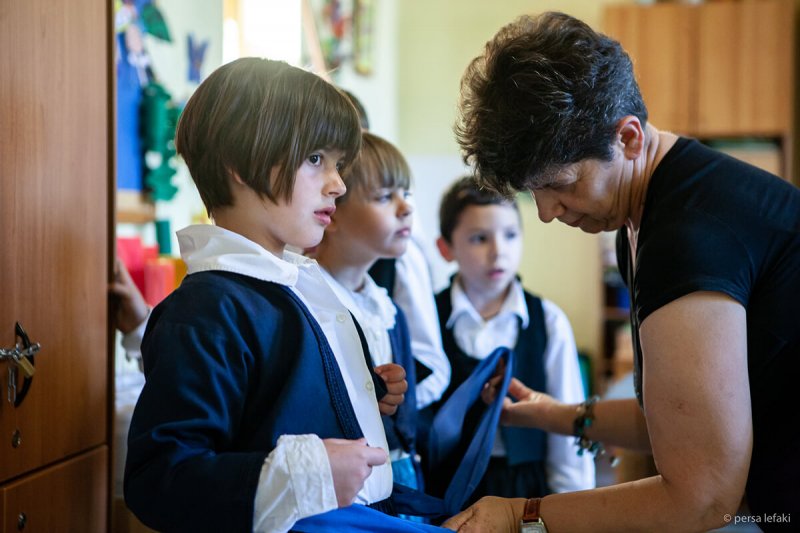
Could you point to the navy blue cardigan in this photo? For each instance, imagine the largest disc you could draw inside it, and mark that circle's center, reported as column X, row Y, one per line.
column 231, row 364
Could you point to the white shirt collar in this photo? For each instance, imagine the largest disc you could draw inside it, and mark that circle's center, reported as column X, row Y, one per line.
column 370, row 305
column 206, row 247
column 513, row 304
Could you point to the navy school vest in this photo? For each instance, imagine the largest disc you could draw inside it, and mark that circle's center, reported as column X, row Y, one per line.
column 522, row 444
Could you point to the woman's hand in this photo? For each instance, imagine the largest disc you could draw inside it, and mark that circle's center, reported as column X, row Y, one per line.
column 490, row 514
column 531, row 408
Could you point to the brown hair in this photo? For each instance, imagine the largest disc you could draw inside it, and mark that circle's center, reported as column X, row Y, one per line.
column 463, row 193
column 379, row 164
column 257, row 117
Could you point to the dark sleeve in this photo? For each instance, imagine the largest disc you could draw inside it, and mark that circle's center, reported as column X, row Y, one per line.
column 183, row 472
column 694, row 252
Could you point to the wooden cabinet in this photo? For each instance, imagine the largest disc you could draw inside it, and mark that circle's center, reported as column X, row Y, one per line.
column 716, row 69
column 55, row 155
column 659, row 39
column 744, row 69
column 70, row 496
column 723, row 72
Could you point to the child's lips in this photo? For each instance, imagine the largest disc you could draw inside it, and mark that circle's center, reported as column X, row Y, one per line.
column 496, row 273
column 404, row 232
column 324, row 215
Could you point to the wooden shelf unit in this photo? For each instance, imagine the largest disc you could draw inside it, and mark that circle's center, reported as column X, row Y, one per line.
column 722, row 72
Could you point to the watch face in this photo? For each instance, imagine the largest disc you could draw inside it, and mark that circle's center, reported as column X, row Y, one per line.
column 532, row 527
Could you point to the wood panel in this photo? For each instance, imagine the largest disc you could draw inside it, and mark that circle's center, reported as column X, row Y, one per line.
column 71, row 496
column 659, row 39
column 54, row 163
column 745, row 63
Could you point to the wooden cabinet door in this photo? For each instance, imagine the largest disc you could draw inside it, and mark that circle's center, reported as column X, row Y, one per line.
column 745, row 62
column 54, row 225
column 659, row 40
column 70, row 496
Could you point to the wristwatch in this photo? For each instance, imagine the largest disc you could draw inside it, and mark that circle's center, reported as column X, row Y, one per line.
column 531, row 521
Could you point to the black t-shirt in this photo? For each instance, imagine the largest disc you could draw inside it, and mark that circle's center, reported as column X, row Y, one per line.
column 713, row 223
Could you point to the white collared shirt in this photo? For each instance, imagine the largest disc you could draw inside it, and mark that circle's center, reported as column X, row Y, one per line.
column 566, row 470
column 413, row 293
column 296, row 480
column 374, row 312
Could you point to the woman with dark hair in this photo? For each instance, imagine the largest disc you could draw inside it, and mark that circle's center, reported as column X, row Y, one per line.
column 710, row 249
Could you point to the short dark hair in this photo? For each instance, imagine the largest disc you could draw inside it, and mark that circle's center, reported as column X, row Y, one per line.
column 465, row 192
column 378, row 164
column 548, row 91
column 253, row 115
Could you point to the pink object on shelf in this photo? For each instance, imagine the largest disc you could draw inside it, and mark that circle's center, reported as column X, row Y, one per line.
column 132, row 254
column 159, row 279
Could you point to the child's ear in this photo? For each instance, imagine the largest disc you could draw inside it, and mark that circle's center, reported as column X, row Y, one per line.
column 444, row 249
column 234, row 176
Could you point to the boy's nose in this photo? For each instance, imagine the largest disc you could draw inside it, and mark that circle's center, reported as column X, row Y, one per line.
column 335, row 185
column 547, row 205
column 405, row 209
column 495, row 248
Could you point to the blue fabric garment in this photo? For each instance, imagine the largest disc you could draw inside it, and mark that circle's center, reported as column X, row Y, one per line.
column 523, row 445
column 232, row 363
column 526, row 449
column 401, row 427
column 445, row 433
column 221, row 390
column 358, row 518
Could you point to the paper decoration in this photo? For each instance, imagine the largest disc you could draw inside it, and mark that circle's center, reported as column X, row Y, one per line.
column 154, row 22
column 197, row 53
column 159, row 118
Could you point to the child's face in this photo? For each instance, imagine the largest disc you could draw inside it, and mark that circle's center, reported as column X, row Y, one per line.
column 302, row 221
column 376, row 222
column 487, row 244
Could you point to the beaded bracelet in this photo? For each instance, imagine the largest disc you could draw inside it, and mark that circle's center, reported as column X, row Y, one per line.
column 582, row 422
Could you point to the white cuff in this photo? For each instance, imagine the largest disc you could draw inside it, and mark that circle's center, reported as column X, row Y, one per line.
column 295, row 482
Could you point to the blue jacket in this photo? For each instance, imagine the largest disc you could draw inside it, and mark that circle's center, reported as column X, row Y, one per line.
column 232, row 363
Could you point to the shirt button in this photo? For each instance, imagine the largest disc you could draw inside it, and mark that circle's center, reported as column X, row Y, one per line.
column 369, row 385
column 341, row 317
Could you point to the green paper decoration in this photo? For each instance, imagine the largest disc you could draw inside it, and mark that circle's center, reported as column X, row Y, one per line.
column 154, row 23
column 159, row 117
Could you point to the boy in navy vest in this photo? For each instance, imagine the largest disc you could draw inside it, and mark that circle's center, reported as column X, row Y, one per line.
column 486, row 307
column 258, row 403
column 372, row 221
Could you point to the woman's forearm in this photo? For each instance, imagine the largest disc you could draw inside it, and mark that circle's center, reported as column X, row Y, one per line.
column 650, row 504
column 616, row 422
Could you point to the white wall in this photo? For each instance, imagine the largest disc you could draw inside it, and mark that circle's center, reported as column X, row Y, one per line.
column 436, row 41
column 379, row 90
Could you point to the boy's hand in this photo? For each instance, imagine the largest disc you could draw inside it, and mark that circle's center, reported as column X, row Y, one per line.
column 351, row 464
column 131, row 309
column 492, row 387
column 394, row 376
